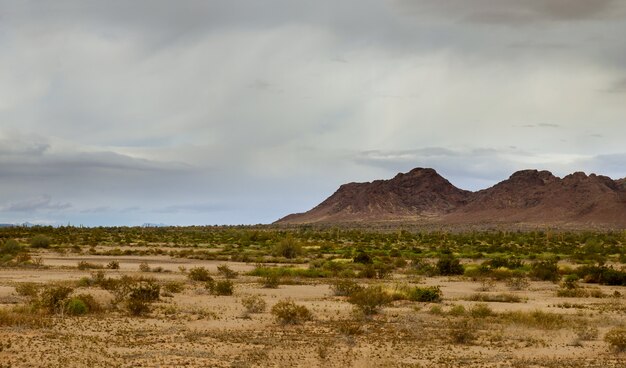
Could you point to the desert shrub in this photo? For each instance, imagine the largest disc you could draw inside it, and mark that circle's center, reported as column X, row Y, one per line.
column 462, row 332
column 254, row 304
column 367, row 272
column 27, row 289
column 423, row 267
column 363, row 258
column 8, row 250
column 344, row 287
column 223, row 287
column 481, row 310
column 431, row 294
column 226, row 271
column 536, row 319
column 616, row 338
column 287, row 312
column 586, row 333
column 370, row 299
column 144, row 267
column 199, row 274
column 76, row 307
column 113, row 265
column 92, row 305
column 141, row 295
column 436, row 310
column 501, row 262
column 288, row 248
column 23, row 316
column 271, row 281
column 174, row 287
column 349, row 328
column 545, row 270
column 457, row 310
column 499, row 298
column 84, row 265
column 518, row 282
column 40, row 241
column 448, row 265
column 601, row 274
column 52, row 299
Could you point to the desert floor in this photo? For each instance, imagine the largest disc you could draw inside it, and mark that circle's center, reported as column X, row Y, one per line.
column 196, row 329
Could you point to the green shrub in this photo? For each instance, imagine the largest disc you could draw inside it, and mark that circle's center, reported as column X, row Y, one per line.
column 223, row 287
column 52, row 299
column 254, row 304
column 344, row 287
column 40, row 241
column 76, row 307
column 481, row 310
column 370, row 299
column 287, row 312
column 199, row 274
column 545, row 270
column 457, row 310
column 288, row 248
column 498, row 298
column 92, row 305
column 430, row 294
column 141, row 295
column 448, row 265
column 10, row 248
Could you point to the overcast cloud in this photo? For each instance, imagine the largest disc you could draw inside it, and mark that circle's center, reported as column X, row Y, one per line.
column 210, row 112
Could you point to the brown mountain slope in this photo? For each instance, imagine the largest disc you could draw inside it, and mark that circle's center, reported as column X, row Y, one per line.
column 533, row 196
column 417, row 195
column 529, row 196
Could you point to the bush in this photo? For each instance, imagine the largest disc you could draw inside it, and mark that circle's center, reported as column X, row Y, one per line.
column 227, row 272
column 370, row 299
column 430, row 294
column 54, row 298
column 199, row 274
column 289, row 313
column 223, row 287
column 462, row 332
column 498, row 298
column 84, row 265
column 144, row 267
column 363, row 258
column 76, row 307
column 288, row 248
column 113, row 265
column 27, row 289
column 40, row 241
column 345, row 287
column 271, row 281
column 616, row 338
column 254, row 304
column 481, row 310
column 141, row 294
column 174, row 287
column 545, row 270
column 92, row 305
column 10, row 248
column 448, row 265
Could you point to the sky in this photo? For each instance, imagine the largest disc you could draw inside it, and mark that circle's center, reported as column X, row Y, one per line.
column 202, row 112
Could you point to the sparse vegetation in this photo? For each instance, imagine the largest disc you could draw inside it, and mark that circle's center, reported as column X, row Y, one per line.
column 289, row 313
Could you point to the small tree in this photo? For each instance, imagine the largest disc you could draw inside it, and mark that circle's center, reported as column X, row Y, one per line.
column 449, row 265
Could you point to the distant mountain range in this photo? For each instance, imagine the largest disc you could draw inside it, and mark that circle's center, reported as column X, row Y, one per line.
column 527, row 197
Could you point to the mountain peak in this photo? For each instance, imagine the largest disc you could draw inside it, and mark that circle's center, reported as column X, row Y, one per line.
column 527, row 196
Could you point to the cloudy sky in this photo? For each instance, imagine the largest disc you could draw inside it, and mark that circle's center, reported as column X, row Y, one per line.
column 184, row 112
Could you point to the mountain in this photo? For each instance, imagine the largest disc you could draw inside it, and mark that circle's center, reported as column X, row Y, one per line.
column 420, row 194
column 526, row 197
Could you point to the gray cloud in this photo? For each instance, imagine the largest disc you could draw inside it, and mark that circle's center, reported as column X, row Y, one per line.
column 241, row 111
column 35, row 204
column 517, row 12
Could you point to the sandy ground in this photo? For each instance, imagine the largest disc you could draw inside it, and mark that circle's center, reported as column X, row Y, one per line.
column 196, row 329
